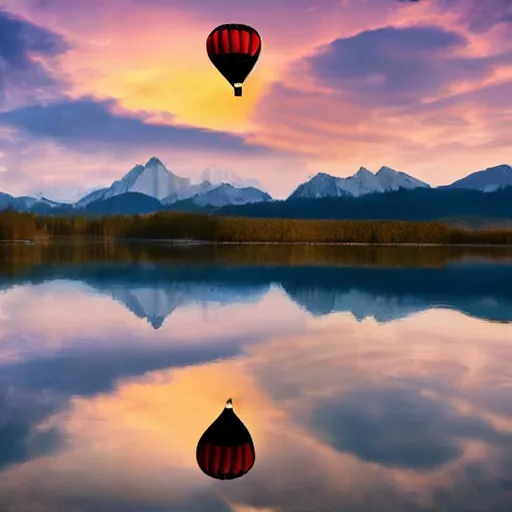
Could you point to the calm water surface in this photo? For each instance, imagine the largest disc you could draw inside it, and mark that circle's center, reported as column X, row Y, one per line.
column 371, row 380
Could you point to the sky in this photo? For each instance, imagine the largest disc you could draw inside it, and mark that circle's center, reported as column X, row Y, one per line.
column 89, row 88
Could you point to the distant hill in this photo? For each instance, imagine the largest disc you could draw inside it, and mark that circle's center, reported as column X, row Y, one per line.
column 39, row 205
column 130, row 203
column 416, row 204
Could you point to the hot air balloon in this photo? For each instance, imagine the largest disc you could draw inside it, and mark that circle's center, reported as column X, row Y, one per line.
column 234, row 50
column 226, row 451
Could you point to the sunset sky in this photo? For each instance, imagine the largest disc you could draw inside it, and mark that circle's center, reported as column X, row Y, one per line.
column 89, row 88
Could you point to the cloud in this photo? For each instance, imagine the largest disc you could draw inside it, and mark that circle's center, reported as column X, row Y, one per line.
column 20, row 413
column 399, row 427
column 25, row 51
column 86, row 374
column 397, row 66
column 87, row 123
column 481, row 16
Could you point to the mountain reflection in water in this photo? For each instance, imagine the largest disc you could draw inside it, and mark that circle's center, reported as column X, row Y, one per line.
column 368, row 381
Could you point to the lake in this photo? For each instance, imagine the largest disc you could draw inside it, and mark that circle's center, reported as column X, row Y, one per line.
column 371, row 379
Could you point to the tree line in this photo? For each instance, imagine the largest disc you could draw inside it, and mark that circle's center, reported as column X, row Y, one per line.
column 214, row 228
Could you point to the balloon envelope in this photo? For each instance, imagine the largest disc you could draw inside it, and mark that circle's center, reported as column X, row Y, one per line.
column 226, row 451
column 234, row 49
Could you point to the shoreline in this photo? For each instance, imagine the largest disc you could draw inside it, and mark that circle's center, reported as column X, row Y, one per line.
column 191, row 243
column 170, row 241
column 188, row 242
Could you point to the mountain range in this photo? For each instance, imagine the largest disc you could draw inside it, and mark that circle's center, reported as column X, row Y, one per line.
column 385, row 194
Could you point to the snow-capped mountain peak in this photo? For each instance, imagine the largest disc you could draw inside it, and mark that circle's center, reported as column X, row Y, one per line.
column 363, row 172
column 154, row 162
column 395, row 180
column 226, row 194
column 152, row 179
column 188, row 192
column 361, row 183
column 50, row 202
column 131, row 176
column 219, row 176
column 489, row 180
column 321, row 185
column 385, row 170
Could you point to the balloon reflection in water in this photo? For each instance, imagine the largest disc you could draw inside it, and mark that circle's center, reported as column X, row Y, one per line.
column 226, row 451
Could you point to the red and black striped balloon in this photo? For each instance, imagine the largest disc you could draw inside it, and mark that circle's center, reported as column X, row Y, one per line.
column 226, row 451
column 234, row 49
